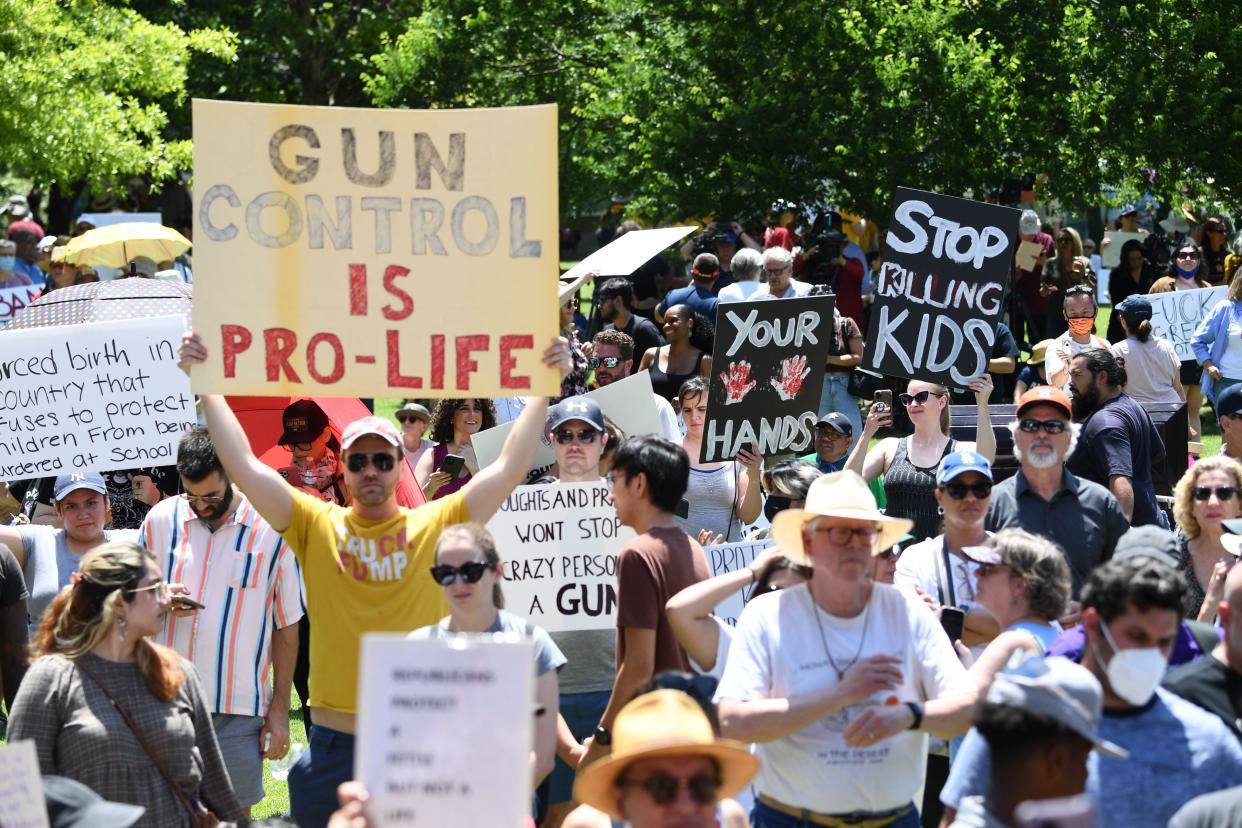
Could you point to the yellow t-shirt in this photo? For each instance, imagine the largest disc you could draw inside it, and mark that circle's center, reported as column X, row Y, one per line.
column 364, row 576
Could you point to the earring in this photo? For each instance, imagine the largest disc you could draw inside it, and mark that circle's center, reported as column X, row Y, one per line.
column 121, row 623
column 940, row 511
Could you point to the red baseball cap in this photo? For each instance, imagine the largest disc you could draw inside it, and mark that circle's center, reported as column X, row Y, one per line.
column 1046, row 395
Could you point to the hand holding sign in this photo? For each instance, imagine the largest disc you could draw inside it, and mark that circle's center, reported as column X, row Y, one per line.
column 982, row 386
column 788, row 382
column 737, row 382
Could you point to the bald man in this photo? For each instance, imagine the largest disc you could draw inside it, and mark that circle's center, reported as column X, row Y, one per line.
column 1214, row 682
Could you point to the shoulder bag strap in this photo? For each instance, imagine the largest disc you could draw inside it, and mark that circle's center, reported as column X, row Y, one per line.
column 176, row 789
column 944, row 575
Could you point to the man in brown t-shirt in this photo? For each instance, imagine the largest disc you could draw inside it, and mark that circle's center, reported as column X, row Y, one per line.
column 648, row 479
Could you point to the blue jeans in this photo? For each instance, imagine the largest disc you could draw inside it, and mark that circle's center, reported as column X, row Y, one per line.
column 836, row 397
column 327, row 762
column 582, row 712
column 765, row 817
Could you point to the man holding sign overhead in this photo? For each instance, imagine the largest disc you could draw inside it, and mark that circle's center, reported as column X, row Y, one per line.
column 364, row 566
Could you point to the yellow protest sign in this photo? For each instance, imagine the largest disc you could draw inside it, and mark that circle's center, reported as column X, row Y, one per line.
column 369, row 252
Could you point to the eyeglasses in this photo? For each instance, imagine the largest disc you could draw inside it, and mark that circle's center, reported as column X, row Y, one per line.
column 382, row 460
column 958, row 490
column 663, row 788
column 160, row 588
column 1186, row 254
column 773, row 271
column 1221, row 492
column 921, row 398
column 986, row 569
column 1050, row 426
column 471, row 573
column 566, row 436
column 843, row 535
column 607, row 362
column 206, row 500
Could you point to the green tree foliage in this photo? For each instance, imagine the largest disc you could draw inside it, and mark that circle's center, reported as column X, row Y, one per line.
column 87, row 88
column 692, row 107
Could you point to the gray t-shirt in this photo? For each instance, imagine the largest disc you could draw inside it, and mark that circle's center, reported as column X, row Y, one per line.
column 49, row 563
column 547, row 656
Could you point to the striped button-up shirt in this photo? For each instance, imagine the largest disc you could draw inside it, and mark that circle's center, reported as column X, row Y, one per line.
column 251, row 585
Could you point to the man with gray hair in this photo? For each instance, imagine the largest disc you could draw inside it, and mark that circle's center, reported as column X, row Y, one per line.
column 9, row 275
column 1044, row 498
column 746, row 266
column 778, row 271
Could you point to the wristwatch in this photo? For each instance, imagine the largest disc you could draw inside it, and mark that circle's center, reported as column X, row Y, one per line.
column 917, row 710
column 603, row 736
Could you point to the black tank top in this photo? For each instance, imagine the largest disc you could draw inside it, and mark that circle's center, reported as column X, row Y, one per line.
column 667, row 385
column 910, row 491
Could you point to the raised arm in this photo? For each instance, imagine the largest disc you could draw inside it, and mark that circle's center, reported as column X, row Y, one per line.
column 690, row 611
column 871, row 464
column 261, row 484
column 487, row 490
column 985, row 435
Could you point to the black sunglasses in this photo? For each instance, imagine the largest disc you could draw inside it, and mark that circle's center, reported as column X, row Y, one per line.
column 663, row 788
column 382, row 460
column 1050, row 426
column 1186, row 254
column 920, row 398
column 1221, row 492
column 607, row 362
column 471, row 573
column 565, row 436
column 958, row 490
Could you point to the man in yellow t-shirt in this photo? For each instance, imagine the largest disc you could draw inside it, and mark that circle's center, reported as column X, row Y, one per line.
column 366, row 566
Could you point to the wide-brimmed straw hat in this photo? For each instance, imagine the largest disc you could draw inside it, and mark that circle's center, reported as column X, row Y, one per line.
column 662, row 723
column 843, row 494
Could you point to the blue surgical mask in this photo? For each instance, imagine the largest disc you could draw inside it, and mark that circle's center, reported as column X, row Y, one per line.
column 8, row 262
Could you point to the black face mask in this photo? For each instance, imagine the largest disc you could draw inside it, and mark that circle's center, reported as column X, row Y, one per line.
column 775, row 504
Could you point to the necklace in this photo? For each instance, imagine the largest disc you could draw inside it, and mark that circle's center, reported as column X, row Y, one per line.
column 824, row 639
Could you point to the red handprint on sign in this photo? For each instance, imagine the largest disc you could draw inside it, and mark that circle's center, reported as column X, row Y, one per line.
column 788, row 382
column 737, row 382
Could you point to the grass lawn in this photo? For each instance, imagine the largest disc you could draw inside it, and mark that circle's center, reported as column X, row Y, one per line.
column 276, row 801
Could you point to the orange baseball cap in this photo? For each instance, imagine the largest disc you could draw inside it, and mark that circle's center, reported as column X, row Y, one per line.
column 1046, row 395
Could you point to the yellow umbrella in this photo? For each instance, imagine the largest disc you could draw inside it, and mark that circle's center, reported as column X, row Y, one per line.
column 117, row 244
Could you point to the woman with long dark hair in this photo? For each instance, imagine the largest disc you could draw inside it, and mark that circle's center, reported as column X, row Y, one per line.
column 1066, row 269
column 453, row 424
column 1186, row 273
column 687, row 354
column 108, row 707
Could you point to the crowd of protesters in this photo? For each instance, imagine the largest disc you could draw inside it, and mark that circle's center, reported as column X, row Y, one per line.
column 934, row 636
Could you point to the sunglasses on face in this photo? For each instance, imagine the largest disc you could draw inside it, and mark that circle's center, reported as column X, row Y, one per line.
column 921, row 397
column 663, row 788
column 1186, row 254
column 958, row 490
column 205, row 500
column 1221, row 492
column 1050, row 426
column 607, row 362
column 566, row 436
column 471, row 573
column 382, row 460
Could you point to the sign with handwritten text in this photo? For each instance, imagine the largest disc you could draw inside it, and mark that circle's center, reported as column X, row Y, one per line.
column 730, row 557
column 104, row 395
column 16, row 298
column 371, row 252
column 21, row 787
column 445, row 731
column 559, row 542
column 1176, row 314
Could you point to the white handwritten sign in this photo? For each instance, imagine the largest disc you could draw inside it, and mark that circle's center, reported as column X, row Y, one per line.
column 15, row 298
column 107, row 395
column 559, row 542
column 21, row 787
column 622, row 256
column 445, row 731
column 1111, row 257
column 1176, row 314
column 730, row 557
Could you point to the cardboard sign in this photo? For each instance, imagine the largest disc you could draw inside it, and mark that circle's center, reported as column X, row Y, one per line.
column 767, row 375
column 21, row 787
column 1028, row 254
column 15, row 298
column 365, row 252
column 559, row 542
column 106, row 395
column 941, row 289
column 730, row 557
column 628, row 403
column 1176, row 314
column 623, row 255
column 445, row 731
column 1111, row 255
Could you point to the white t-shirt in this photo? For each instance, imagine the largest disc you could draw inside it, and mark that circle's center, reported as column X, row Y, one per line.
column 724, row 638
column 1053, row 363
column 739, row 291
column 1151, row 368
column 777, row 652
column 671, row 426
column 795, row 289
column 916, row 566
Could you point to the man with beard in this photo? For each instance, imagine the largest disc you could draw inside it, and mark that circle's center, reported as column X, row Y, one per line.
column 613, row 360
column 1044, row 498
column 365, row 566
column 1120, row 444
column 616, row 296
column 216, row 550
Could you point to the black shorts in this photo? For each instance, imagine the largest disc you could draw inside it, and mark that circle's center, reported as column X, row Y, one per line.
column 1192, row 372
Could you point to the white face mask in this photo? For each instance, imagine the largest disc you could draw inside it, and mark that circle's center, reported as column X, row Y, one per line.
column 1134, row 674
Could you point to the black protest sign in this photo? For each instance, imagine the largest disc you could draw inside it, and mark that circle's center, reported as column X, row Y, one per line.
column 767, row 375
column 941, row 288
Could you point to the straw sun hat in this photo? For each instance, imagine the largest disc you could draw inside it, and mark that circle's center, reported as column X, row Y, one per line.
column 662, row 723
column 843, row 494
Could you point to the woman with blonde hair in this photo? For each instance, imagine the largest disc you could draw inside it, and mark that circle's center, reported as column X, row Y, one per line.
column 108, row 707
column 1207, row 495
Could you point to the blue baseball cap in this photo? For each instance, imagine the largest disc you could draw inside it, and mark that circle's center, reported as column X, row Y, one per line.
column 960, row 462
column 67, row 484
column 1229, row 402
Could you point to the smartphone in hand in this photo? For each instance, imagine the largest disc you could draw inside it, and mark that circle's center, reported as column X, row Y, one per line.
column 954, row 621
column 452, row 465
